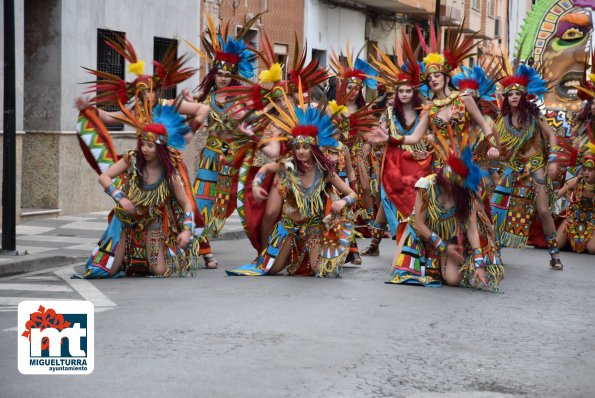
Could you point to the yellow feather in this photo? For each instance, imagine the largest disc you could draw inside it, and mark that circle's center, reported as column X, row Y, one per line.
column 336, row 108
column 272, row 75
column 138, row 68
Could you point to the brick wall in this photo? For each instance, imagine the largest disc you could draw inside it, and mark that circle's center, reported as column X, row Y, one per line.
column 282, row 21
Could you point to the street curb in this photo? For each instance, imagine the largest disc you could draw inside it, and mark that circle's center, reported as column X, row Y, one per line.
column 36, row 262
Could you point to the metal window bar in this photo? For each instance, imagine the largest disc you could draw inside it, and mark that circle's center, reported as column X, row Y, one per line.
column 110, row 61
column 161, row 48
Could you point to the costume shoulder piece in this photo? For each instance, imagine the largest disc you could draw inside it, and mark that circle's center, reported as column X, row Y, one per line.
column 425, row 182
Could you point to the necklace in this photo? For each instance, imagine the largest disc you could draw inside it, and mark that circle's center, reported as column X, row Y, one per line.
column 589, row 187
column 445, row 101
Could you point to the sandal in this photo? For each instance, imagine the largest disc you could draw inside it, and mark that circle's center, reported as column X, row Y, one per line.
column 210, row 261
column 556, row 264
column 354, row 258
column 372, row 251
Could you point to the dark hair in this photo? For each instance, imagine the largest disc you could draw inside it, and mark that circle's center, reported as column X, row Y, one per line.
column 585, row 113
column 416, row 101
column 327, row 165
column 208, row 83
column 526, row 108
column 463, row 198
column 162, row 155
column 360, row 101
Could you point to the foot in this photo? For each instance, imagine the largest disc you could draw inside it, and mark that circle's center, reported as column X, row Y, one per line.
column 556, row 264
column 371, row 250
column 210, row 261
column 354, row 258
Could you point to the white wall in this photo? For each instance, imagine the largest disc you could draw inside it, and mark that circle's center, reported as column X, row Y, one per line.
column 141, row 20
column 517, row 11
column 386, row 33
column 328, row 28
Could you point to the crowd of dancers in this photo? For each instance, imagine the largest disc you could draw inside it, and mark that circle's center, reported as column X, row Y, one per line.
column 453, row 163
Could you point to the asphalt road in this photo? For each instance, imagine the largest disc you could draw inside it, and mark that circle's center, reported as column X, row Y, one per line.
column 218, row 336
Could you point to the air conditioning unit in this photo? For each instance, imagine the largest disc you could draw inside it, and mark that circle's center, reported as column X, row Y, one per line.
column 497, row 27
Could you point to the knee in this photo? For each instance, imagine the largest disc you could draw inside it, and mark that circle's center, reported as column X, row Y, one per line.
column 452, row 280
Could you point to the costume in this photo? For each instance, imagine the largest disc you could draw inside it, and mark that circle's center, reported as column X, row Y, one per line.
column 513, row 201
column 160, row 216
column 418, row 260
column 399, row 170
column 227, row 153
column 306, row 223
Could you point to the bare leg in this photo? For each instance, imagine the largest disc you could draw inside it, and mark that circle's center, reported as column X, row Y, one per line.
column 562, row 237
column 282, row 260
column 271, row 213
column 591, row 245
column 549, row 227
column 155, row 252
column 118, row 255
column 314, row 259
column 450, row 272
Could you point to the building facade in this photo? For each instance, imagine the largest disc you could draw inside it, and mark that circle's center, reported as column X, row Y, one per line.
column 54, row 39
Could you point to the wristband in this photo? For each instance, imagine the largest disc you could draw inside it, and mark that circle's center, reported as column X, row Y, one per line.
column 492, row 141
column 258, row 179
column 349, row 200
column 396, row 139
column 188, row 223
column 437, row 242
column 552, row 158
column 115, row 193
column 478, row 258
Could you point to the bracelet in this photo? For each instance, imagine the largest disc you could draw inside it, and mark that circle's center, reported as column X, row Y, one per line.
column 188, row 223
column 437, row 242
column 492, row 141
column 396, row 139
column 478, row 258
column 258, row 179
column 115, row 193
column 552, row 158
column 349, row 200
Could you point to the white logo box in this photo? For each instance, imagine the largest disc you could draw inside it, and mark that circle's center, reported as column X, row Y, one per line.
column 80, row 361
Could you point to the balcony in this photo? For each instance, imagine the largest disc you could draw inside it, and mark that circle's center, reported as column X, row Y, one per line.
column 400, row 6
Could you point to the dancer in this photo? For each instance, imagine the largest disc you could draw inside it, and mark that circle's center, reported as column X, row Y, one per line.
column 227, row 149
column 529, row 144
column 445, row 239
column 313, row 235
column 151, row 229
column 402, row 165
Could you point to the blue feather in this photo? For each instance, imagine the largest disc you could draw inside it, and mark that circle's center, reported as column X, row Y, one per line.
column 324, row 124
column 536, row 85
column 239, row 48
column 486, row 85
column 368, row 70
column 475, row 172
column 175, row 125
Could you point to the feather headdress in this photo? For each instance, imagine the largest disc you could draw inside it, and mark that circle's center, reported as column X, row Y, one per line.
column 225, row 51
column 347, row 69
column 110, row 89
column 460, row 168
column 457, row 48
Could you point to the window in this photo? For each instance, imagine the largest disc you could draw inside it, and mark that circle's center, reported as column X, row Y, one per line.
column 320, row 56
column 281, row 51
column 162, row 48
column 108, row 60
column 490, row 7
column 475, row 4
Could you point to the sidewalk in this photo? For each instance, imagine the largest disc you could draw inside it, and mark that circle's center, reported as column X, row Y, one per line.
column 50, row 242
